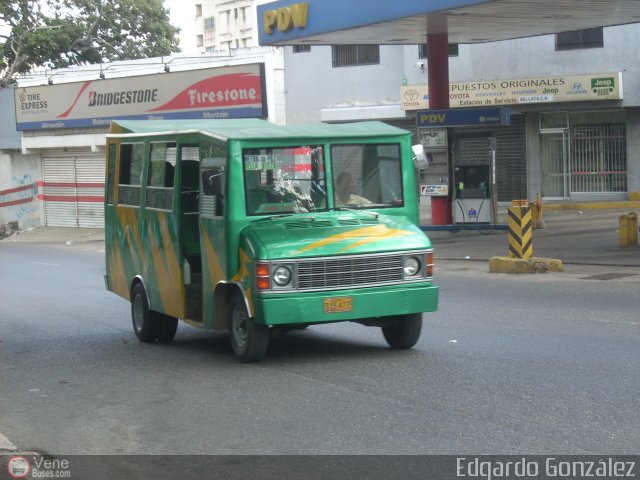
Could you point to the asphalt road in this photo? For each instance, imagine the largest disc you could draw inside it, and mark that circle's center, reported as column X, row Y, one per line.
column 542, row 364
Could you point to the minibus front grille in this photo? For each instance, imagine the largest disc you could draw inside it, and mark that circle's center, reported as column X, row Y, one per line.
column 344, row 272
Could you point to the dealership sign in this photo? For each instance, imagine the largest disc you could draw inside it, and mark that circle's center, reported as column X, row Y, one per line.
column 463, row 117
column 493, row 93
column 227, row 92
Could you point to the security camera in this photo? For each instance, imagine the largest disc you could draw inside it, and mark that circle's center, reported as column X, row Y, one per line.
column 420, row 64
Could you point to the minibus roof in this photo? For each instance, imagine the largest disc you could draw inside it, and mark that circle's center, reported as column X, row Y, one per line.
column 250, row 128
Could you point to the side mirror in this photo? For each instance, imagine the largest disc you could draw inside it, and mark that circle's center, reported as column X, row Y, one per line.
column 421, row 159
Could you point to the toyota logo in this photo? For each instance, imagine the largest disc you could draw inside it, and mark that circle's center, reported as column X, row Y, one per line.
column 411, row 95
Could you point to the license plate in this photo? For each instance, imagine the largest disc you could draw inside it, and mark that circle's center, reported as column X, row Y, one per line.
column 337, row 304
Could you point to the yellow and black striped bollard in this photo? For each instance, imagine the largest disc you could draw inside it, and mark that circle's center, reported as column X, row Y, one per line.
column 520, row 232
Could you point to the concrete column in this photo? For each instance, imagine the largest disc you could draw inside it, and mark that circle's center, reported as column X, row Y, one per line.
column 633, row 153
column 438, row 62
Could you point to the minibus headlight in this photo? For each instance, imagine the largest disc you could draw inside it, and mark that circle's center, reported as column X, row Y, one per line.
column 411, row 266
column 282, row 276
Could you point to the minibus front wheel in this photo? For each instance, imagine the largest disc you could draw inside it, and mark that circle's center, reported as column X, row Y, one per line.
column 403, row 331
column 148, row 324
column 249, row 340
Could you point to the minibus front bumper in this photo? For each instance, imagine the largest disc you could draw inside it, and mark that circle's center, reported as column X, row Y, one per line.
column 345, row 305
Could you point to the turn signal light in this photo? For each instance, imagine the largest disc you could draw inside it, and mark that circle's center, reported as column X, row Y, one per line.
column 263, row 280
column 429, row 264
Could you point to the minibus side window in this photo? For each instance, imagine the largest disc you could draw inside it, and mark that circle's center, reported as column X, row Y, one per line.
column 111, row 173
column 213, row 177
column 162, row 164
column 190, row 164
column 131, row 162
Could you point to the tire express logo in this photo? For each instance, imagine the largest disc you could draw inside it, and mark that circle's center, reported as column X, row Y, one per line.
column 31, row 102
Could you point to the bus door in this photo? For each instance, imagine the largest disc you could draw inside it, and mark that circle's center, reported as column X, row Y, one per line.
column 213, row 203
column 190, row 230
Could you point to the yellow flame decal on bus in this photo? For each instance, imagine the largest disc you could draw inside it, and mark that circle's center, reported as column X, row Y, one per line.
column 213, row 262
column 243, row 271
column 363, row 236
column 167, row 267
column 116, row 269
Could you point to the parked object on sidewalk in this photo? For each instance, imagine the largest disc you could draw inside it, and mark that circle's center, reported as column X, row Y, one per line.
column 628, row 230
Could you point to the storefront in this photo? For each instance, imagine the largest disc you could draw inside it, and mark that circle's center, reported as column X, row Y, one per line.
column 566, row 139
column 65, row 125
column 583, row 154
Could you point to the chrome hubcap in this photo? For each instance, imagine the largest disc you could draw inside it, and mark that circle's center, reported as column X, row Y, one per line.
column 138, row 312
column 239, row 327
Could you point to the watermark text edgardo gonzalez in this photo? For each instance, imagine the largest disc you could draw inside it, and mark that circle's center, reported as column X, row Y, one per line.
column 549, row 467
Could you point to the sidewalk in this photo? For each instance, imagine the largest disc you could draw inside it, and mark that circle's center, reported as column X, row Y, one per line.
column 587, row 237
column 56, row 235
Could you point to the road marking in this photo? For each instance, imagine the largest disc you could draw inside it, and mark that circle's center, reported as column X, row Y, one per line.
column 5, row 444
column 47, row 264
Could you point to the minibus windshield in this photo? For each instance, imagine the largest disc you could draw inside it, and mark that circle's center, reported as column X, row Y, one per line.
column 367, row 176
column 284, row 180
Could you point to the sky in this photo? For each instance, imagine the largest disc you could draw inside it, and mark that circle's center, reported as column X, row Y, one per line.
column 182, row 14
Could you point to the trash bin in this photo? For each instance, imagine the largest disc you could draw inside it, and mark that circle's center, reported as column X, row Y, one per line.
column 441, row 211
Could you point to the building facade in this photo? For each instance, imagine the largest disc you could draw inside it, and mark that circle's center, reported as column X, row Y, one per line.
column 572, row 135
column 580, row 147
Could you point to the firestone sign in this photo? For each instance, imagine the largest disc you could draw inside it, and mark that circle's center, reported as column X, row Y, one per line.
column 491, row 93
column 228, row 92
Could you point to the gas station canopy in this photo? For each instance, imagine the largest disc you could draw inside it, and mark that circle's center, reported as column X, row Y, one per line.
column 408, row 22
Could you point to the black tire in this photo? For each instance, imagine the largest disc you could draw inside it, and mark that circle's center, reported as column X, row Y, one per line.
column 166, row 328
column 249, row 340
column 150, row 325
column 403, row 331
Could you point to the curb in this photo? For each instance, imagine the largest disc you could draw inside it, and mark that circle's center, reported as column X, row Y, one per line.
column 614, row 205
column 521, row 265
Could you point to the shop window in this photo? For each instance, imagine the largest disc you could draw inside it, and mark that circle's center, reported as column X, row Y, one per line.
column 579, row 39
column 422, row 50
column 353, row 55
column 552, row 120
column 598, row 152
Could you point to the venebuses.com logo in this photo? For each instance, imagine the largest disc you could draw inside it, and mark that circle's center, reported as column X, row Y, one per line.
column 38, row 467
column 18, row 467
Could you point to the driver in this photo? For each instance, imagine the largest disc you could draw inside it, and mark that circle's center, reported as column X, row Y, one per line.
column 345, row 191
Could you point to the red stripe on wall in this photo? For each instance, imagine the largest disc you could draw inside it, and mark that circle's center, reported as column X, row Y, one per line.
column 16, row 202
column 17, row 189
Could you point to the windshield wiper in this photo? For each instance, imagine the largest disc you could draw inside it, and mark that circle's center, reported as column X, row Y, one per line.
column 284, row 215
column 347, row 209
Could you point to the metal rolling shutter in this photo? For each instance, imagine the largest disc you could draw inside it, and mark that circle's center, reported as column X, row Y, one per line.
column 59, row 192
column 73, row 189
column 471, row 147
column 90, row 178
column 511, row 160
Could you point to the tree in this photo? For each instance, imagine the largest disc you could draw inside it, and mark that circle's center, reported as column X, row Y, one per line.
column 60, row 33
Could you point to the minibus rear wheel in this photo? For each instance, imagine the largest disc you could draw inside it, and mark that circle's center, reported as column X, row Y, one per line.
column 166, row 327
column 148, row 324
column 403, row 331
column 249, row 340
